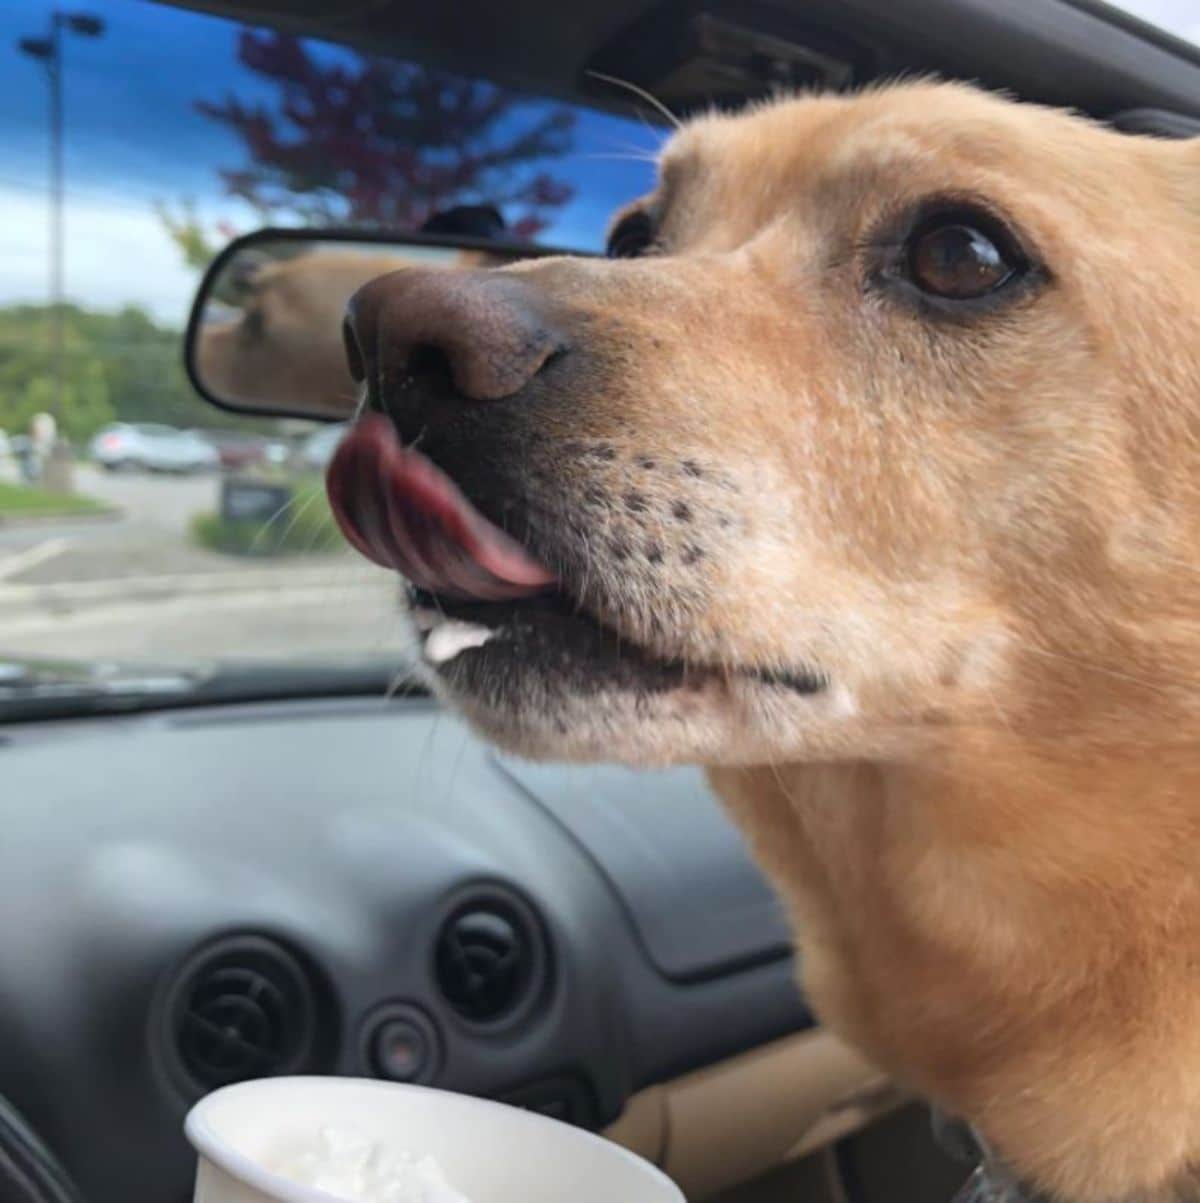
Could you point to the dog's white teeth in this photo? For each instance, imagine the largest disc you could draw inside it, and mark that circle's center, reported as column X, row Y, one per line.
column 449, row 638
column 425, row 619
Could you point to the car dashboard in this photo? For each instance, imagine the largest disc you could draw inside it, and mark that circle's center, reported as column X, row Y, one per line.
column 364, row 888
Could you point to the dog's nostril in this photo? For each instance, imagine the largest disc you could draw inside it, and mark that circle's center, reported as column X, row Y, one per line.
column 429, row 362
column 354, row 355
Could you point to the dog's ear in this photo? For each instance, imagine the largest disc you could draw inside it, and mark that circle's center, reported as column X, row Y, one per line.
column 475, row 221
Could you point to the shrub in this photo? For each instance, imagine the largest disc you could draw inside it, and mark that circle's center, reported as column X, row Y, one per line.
column 306, row 527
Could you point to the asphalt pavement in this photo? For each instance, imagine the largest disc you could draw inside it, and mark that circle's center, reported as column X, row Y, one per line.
column 155, row 502
column 134, row 588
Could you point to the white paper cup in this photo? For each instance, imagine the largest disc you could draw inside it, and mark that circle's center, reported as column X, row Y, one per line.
column 489, row 1152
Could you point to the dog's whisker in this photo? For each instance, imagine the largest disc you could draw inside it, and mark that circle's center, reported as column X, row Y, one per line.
column 406, row 676
column 634, row 147
column 1001, row 714
column 299, row 513
column 773, row 765
column 641, row 93
column 257, row 541
column 626, row 157
column 1096, row 667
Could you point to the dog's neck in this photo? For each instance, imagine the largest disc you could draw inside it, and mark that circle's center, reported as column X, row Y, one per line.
column 1012, row 936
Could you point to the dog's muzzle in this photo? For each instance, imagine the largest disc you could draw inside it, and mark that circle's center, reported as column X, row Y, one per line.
column 432, row 346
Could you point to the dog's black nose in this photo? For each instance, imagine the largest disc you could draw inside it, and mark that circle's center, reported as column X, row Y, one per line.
column 489, row 331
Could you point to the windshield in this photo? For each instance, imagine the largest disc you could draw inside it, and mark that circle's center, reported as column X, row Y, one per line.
column 1180, row 18
column 140, row 527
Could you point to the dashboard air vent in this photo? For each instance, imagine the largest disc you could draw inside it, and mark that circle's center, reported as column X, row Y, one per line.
column 244, row 1007
column 489, row 959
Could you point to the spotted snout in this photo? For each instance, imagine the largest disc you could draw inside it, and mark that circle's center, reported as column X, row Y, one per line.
column 521, row 392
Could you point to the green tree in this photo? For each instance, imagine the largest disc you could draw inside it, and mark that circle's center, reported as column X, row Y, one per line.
column 119, row 365
column 85, row 403
column 197, row 243
column 373, row 141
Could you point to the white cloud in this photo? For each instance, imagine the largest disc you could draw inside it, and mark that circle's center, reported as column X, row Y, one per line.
column 115, row 255
column 118, row 253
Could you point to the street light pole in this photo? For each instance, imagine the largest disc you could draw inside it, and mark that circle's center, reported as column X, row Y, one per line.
column 57, row 322
column 48, row 50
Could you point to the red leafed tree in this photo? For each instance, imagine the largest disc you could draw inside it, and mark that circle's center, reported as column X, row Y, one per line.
column 377, row 141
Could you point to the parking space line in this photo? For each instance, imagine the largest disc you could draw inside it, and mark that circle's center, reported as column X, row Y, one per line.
column 272, row 601
column 73, row 593
column 39, row 553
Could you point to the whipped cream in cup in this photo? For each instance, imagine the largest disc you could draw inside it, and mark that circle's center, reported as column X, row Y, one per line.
column 352, row 1140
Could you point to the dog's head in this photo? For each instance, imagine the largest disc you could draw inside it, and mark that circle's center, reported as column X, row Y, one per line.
column 877, row 442
column 879, row 424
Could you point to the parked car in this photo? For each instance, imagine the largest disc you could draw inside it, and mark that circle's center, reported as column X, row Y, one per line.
column 237, row 450
column 152, row 448
column 319, row 447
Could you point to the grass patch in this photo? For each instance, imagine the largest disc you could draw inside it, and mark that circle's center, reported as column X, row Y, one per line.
column 22, row 501
column 307, row 527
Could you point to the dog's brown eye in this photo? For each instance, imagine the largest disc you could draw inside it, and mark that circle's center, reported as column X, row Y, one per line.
column 955, row 259
column 952, row 258
column 632, row 236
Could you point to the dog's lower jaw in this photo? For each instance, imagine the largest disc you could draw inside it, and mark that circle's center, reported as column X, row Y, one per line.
column 997, row 933
column 709, row 716
column 559, row 708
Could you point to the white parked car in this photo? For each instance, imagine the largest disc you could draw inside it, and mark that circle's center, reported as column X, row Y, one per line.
column 153, row 448
column 319, row 447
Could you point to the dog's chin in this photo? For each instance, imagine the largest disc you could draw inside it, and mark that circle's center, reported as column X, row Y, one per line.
column 541, row 679
column 508, row 645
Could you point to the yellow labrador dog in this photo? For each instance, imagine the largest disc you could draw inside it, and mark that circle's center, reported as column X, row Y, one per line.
column 869, row 477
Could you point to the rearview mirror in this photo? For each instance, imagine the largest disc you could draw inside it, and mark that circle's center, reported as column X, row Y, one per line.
column 265, row 332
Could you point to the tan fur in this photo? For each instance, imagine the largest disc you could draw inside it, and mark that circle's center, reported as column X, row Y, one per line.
column 984, row 535
column 1004, row 906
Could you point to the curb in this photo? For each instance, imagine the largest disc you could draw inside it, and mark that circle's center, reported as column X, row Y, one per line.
column 65, row 597
column 35, row 520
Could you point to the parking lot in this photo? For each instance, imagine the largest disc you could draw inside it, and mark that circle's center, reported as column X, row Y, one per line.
column 134, row 587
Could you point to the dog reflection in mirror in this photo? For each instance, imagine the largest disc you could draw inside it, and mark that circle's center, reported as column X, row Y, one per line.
column 281, row 350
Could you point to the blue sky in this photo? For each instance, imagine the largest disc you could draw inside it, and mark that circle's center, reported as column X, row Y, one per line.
column 133, row 138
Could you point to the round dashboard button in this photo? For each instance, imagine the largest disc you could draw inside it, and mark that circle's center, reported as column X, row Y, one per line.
column 401, row 1045
column 399, row 1050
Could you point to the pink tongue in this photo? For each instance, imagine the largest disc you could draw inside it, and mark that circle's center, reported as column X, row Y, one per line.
column 401, row 511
